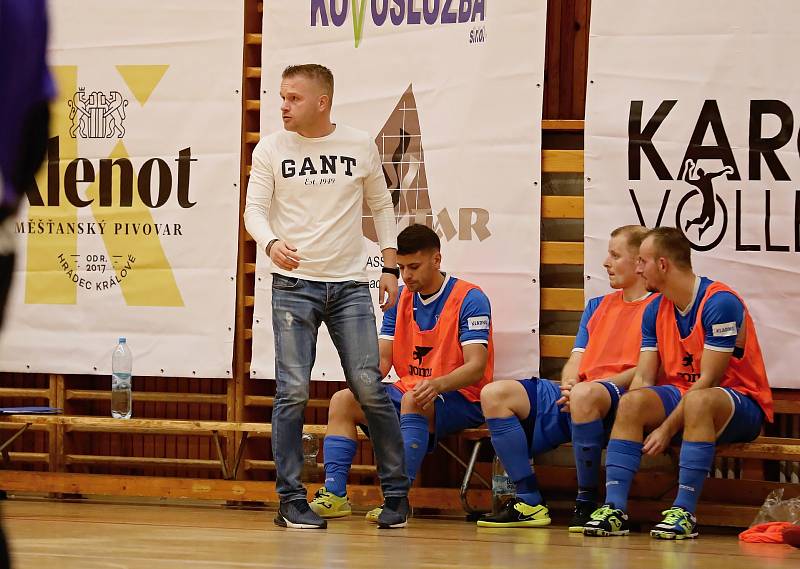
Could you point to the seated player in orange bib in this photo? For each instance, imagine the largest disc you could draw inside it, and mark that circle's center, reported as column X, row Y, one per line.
column 701, row 333
column 438, row 339
column 532, row 416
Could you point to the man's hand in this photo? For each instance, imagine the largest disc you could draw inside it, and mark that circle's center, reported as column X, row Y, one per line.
column 285, row 256
column 658, row 440
column 387, row 288
column 425, row 393
column 566, row 389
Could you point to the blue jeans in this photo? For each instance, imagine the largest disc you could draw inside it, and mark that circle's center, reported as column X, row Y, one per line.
column 298, row 308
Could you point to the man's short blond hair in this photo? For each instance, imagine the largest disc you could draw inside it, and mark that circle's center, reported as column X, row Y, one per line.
column 319, row 73
column 633, row 234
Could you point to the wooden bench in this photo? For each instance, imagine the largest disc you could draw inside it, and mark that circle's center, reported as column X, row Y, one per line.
column 154, row 427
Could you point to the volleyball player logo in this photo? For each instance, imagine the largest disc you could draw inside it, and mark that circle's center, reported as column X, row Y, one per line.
column 400, row 148
column 97, row 115
column 702, row 182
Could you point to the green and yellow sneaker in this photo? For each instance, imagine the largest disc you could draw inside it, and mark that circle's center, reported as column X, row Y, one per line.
column 677, row 524
column 517, row 514
column 328, row 505
column 607, row 520
column 373, row 515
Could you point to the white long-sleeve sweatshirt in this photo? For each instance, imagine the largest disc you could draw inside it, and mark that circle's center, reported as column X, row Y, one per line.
column 309, row 191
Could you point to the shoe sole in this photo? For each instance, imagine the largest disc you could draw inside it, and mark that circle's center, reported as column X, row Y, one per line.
column 672, row 536
column 522, row 524
column 392, row 526
column 284, row 523
column 597, row 532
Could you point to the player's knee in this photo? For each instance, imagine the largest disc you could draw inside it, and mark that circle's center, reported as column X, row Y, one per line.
column 585, row 395
column 343, row 405
column 496, row 397
column 408, row 404
column 702, row 403
column 633, row 408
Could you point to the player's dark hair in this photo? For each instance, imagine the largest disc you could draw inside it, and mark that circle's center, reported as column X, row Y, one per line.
column 671, row 243
column 416, row 238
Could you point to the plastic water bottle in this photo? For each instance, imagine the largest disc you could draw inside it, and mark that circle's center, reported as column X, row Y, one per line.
column 121, row 379
column 310, row 471
column 503, row 488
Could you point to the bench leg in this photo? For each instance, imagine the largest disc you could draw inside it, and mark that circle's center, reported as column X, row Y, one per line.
column 469, row 472
column 221, row 456
column 239, row 455
column 11, row 439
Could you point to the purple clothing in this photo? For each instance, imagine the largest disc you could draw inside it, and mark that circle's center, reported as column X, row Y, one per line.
column 24, row 81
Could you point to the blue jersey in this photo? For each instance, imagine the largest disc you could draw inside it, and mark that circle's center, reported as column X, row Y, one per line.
column 474, row 318
column 582, row 338
column 720, row 311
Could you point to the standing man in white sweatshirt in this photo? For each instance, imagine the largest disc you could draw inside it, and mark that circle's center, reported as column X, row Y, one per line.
column 304, row 207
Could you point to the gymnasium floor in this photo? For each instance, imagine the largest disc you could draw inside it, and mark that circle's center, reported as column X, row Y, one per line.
column 91, row 535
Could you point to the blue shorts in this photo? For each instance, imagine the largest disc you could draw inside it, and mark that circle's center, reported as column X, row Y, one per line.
column 551, row 427
column 745, row 422
column 670, row 397
column 452, row 413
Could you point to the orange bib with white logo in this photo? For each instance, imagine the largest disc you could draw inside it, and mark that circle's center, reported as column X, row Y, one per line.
column 681, row 357
column 420, row 355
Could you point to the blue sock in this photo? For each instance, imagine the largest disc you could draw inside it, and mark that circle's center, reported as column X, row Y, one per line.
column 339, row 453
column 587, row 446
column 414, row 428
column 695, row 464
column 511, row 446
column 622, row 462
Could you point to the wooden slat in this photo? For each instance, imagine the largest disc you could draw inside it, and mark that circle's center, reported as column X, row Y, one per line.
column 249, row 268
column 567, row 125
column 265, row 401
column 252, row 106
column 553, row 346
column 37, row 457
column 252, row 39
column 141, row 461
column 24, row 392
column 248, row 334
column 319, row 430
column 80, row 423
column 251, row 137
column 269, row 465
column 151, row 396
column 763, row 448
column 785, row 406
column 16, row 426
column 252, row 72
column 249, row 300
column 562, row 161
column 561, row 253
column 562, row 207
column 562, row 299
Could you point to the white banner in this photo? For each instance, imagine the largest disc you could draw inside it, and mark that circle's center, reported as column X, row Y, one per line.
column 689, row 123
column 452, row 93
column 132, row 229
